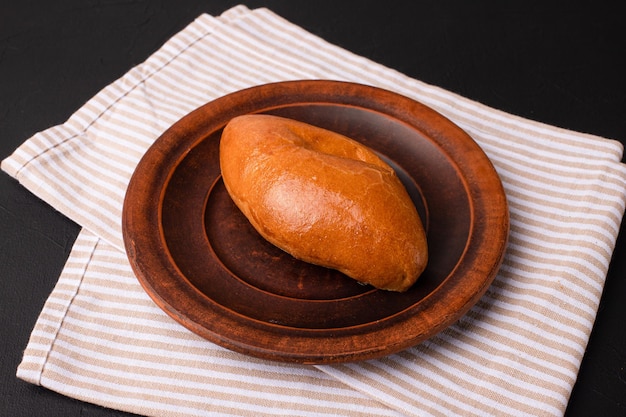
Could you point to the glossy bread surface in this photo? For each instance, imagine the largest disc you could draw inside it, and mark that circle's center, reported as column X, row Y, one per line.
column 323, row 198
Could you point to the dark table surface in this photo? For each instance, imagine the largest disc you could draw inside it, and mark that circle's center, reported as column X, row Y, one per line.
column 554, row 62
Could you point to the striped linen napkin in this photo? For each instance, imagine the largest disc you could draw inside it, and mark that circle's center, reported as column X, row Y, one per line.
column 101, row 339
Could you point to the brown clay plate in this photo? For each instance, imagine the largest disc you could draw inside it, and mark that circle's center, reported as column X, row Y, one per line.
column 200, row 260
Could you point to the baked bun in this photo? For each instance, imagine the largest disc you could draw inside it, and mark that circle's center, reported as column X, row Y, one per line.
column 323, row 198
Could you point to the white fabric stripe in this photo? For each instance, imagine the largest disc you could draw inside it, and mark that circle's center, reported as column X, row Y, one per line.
column 533, row 215
column 489, row 402
column 263, row 405
column 116, row 136
column 96, row 338
column 97, row 303
column 552, row 271
column 527, row 315
column 521, row 236
column 498, row 349
column 177, row 103
column 578, row 266
column 527, row 226
column 532, row 280
column 112, row 276
column 108, row 321
column 592, row 208
column 522, row 338
column 550, row 164
column 588, row 183
column 427, row 387
column 137, row 294
column 466, row 340
column 155, row 374
column 178, row 338
column 547, row 373
column 584, row 314
column 118, row 177
column 94, row 210
column 89, row 150
column 562, row 253
column 82, row 174
column 55, row 171
column 251, row 72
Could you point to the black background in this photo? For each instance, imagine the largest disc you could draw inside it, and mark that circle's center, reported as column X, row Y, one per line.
column 554, row 62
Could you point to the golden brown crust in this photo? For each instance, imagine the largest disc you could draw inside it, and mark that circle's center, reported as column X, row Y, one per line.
column 324, row 198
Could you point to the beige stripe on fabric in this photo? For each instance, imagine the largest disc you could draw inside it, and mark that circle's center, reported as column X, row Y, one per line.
column 517, row 352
